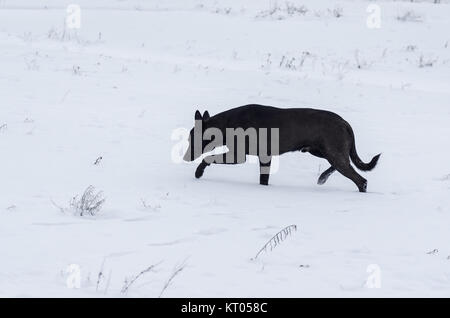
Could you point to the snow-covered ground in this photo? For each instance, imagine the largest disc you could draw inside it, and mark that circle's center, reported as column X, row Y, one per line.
column 137, row 70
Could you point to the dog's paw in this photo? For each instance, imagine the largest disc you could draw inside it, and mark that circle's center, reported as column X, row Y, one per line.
column 264, row 179
column 199, row 172
column 363, row 187
column 321, row 180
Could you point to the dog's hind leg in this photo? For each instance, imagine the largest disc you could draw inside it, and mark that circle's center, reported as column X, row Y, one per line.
column 325, row 175
column 342, row 164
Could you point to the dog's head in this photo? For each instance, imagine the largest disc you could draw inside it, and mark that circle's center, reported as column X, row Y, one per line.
column 196, row 142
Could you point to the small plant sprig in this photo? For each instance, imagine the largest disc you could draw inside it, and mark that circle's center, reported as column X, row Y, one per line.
column 178, row 269
column 98, row 160
column 130, row 281
column 409, row 16
column 90, row 202
column 277, row 239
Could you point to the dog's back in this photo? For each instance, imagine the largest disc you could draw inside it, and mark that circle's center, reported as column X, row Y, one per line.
column 298, row 127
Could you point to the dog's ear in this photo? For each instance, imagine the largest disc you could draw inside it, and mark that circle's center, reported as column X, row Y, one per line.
column 205, row 115
column 198, row 116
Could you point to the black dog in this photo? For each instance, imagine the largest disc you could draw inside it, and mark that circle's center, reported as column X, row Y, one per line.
column 322, row 133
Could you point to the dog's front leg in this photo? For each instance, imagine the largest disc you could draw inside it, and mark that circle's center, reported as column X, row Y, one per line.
column 201, row 168
column 264, row 171
column 217, row 159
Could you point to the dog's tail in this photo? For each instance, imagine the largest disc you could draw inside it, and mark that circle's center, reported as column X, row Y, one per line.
column 355, row 158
